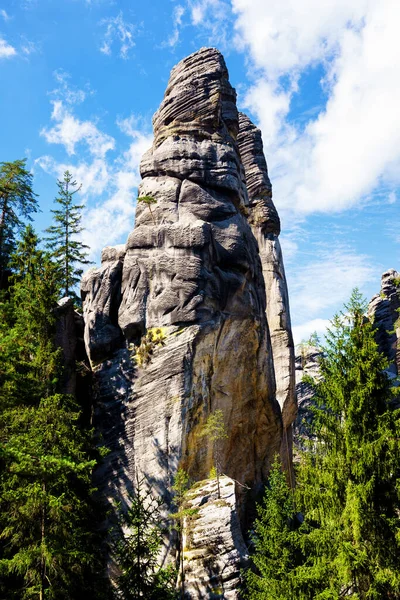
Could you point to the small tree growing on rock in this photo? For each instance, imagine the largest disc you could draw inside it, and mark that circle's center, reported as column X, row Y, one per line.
column 148, row 201
column 214, row 430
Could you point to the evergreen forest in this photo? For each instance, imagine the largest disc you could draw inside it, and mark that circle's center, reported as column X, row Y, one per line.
column 334, row 533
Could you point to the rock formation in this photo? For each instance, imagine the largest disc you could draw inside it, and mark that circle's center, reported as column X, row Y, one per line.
column 383, row 309
column 265, row 224
column 307, row 364
column 192, row 314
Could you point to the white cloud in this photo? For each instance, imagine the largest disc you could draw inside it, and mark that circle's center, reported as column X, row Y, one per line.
column 392, row 198
column 353, row 145
column 214, row 17
column 70, row 131
column 108, row 184
column 4, row 15
column 28, row 47
column 323, row 284
column 66, row 91
column 303, row 332
column 93, row 176
column 6, row 50
column 120, row 31
column 173, row 39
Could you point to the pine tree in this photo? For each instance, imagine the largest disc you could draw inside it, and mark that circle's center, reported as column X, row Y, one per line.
column 61, row 239
column 136, row 547
column 285, row 565
column 48, row 548
column 43, row 498
column 180, row 487
column 29, row 362
column 348, row 482
column 17, row 203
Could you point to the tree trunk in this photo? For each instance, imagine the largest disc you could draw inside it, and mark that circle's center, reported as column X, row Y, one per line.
column 182, row 569
column 42, row 538
column 2, row 227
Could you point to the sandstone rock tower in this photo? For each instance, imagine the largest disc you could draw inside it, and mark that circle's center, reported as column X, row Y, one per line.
column 203, row 271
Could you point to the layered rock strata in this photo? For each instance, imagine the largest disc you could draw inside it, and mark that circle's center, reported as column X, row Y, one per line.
column 177, row 320
column 214, row 551
column 265, row 224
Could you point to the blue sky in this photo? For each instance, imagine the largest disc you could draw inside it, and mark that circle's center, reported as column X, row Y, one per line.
column 80, row 80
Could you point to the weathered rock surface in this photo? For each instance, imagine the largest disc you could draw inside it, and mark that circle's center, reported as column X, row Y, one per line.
column 192, row 279
column 307, row 364
column 214, row 549
column 265, row 224
column 383, row 309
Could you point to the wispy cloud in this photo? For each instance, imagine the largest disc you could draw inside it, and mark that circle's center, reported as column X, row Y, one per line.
column 66, row 91
column 118, row 32
column 28, row 47
column 304, row 331
column 4, row 15
column 6, row 50
column 214, row 18
column 320, row 285
column 70, row 131
column 177, row 16
column 109, row 180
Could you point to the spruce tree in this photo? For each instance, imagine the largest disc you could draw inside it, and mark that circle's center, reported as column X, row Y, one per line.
column 62, row 235
column 48, row 547
column 348, row 481
column 46, row 515
column 285, row 561
column 29, row 363
column 17, row 203
column 136, row 547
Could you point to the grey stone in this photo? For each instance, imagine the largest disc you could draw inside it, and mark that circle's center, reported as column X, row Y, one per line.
column 383, row 310
column 265, row 224
column 192, row 273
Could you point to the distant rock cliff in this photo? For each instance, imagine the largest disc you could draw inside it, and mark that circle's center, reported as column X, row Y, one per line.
column 383, row 309
column 192, row 314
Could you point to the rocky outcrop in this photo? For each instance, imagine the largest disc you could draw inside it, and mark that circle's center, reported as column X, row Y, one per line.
column 177, row 321
column 383, row 310
column 214, row 550
column 265, row 225
column 307, row 365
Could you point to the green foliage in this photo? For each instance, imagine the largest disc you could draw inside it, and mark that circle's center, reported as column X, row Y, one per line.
column 348, row 479
column 213, row 473
column 348, row 542
column 48, row 548
column 285, row 561
column 136, row 548
column 214, row 430
column 180, row 489
column 17, row 203
column 62, row 236
column 29, row 362
column 45, row 518
column 148, row 201
column 154, row 338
